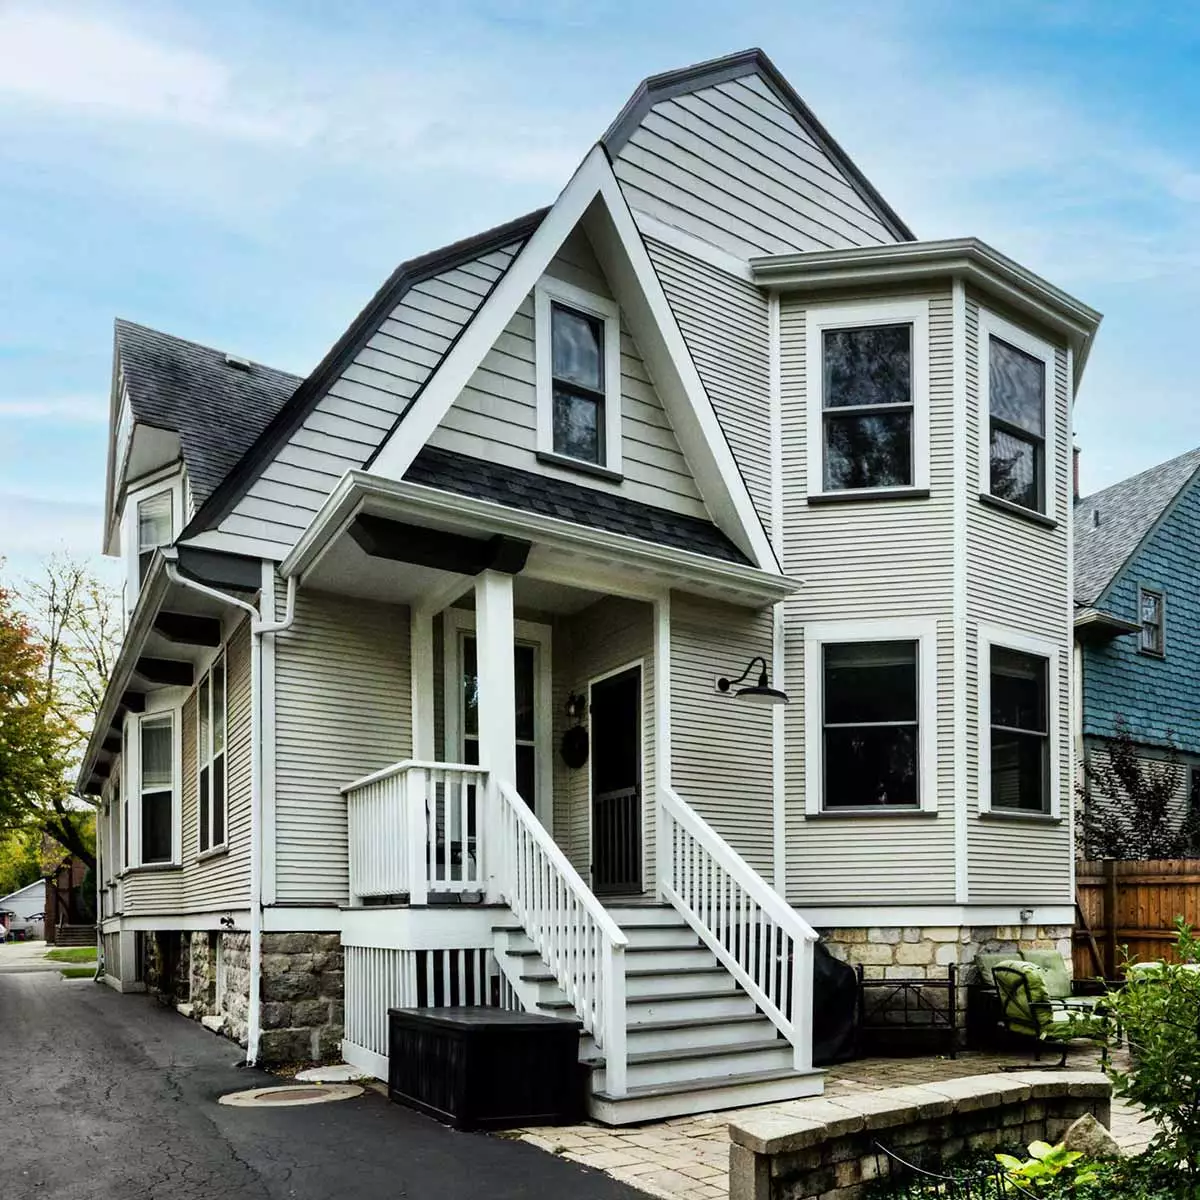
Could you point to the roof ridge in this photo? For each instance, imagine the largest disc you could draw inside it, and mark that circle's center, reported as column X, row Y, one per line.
column 125, row 323
column 1083, row 501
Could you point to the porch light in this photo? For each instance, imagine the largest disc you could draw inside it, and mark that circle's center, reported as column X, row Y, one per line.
column 760, row 693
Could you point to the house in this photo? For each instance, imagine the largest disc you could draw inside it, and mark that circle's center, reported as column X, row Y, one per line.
column 1137, row 597
column 453, row 669
column 26, row 906
column 68, row 901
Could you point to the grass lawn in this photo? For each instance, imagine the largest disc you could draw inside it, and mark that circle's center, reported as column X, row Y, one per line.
column 73, row 954
column 78, row 972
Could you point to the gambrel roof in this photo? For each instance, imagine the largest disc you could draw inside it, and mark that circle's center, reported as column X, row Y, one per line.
column 1112, row 524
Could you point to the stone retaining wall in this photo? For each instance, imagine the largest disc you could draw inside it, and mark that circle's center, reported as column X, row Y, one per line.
column 303, row 992
column 826, row 1147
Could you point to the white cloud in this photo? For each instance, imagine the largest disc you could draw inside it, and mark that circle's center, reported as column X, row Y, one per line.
column 57, row 409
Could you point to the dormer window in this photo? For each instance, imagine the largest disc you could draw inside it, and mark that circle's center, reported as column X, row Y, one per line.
column 578, row 351
column 153, row 529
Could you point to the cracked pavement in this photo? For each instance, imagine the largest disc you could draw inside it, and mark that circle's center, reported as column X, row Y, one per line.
column 103, row 1095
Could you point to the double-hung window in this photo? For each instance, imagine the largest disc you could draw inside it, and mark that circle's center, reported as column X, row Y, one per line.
column 153, row 529
column 1018, row 370
column 577, row 339
column 1020, row 731
column 211, row 731
column 1150, row 613
column 157, row 788
column 868, row 402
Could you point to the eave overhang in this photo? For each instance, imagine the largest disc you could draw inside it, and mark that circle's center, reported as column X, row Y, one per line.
column 360, row 491
column 909, row 263
column 1093, row 625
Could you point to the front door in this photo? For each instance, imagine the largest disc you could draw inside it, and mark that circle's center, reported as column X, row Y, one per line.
column 616, row 758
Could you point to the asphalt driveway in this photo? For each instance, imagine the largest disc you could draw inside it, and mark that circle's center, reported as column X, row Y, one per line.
column 114, row 1097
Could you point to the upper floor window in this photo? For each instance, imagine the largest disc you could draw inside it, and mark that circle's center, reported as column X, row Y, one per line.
column 157, row 788
column 578, row 352
column 1019, row 756
column 153, row 529
column 1018, row 370
column 868, row 402
column 1153, row 638
column 211, row 727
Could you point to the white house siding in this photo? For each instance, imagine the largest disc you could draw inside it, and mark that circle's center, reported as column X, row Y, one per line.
column 724, row 323
column 1017, row 578
column 343, row 708
column 152, row 892
column 721, row 756
column 360, row 408
column 602, row 638
column 868, row 560
column 732, row 165
column 495, row 417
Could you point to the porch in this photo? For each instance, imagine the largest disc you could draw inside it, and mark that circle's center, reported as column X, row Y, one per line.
column 534, row 850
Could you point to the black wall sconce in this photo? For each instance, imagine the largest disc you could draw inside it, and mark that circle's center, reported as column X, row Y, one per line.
column 574, row 748
column 759, row 693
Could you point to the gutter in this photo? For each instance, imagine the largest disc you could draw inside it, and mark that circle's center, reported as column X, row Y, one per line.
column 258, row 627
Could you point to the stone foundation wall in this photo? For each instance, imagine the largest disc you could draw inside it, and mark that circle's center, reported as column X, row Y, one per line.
column 827, row 1147
column 166, row 965
column 236, row 1002
column 303, row 992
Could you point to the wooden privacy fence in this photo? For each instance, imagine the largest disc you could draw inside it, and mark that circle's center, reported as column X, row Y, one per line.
column 1131, row 905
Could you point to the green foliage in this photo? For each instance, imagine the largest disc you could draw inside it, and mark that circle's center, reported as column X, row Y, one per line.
column 78, row 972
column 1048, row 1167
column 20, row 859
column 1159, row 1009
column 72, row 954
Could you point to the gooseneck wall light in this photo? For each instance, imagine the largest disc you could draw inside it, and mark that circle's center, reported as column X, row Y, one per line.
column 758, row 693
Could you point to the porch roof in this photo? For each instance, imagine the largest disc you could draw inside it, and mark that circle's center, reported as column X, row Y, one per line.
column 662, row 548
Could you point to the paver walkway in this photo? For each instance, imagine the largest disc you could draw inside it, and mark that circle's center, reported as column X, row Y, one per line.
column 688, row 1158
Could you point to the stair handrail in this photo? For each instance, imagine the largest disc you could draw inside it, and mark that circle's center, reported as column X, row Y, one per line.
column 576, row 936
column 729, row 887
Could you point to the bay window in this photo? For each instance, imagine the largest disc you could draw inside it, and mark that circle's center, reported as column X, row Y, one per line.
column 157, row 789
column 154, row 529
column 211, row 726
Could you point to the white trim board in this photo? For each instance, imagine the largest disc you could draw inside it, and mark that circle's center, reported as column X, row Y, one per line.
column 593, row 197
column 934, row 915
column 189, row 922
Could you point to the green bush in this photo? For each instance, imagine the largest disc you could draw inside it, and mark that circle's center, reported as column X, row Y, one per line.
column 1159, row 1012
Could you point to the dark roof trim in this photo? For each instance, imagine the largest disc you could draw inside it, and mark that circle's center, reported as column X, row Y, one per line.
column 734, row 66
column 364, row 327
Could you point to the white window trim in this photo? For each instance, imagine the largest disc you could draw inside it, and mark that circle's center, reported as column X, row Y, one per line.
column 547, row 291
column 1010, row 639
column 129, row 526
column 133, row 774
column 202, row 760
column 457, row 621
column 922, row 630
column 1144, row 590
column 851, row 316
column 991, row 325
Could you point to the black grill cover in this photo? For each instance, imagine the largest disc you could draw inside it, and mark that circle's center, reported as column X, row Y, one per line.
column 835, row 1009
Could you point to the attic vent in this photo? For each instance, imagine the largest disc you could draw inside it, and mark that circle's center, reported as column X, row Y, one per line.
column 1095, row 518
column 238, row 364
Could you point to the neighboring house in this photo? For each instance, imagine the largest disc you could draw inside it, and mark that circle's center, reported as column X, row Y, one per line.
column 1137, row 622
column 69, row 903
column 27, row 906
column 443, row 622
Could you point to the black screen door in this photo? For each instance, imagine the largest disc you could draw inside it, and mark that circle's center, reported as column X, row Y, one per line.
column 616, row 757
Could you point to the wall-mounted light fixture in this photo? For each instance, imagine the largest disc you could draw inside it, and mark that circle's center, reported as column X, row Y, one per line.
column 759, row 693
column 1026, row 915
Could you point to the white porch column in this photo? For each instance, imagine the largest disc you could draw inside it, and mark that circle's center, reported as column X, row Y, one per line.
column 494, row 640
column 421, row 628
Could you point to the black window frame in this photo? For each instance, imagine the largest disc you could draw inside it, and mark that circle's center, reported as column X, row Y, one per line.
column 570, row 387
column 865, row 410
column 1019, row 433
column 1160, row 649
column 1011, row 734
column 916, row 804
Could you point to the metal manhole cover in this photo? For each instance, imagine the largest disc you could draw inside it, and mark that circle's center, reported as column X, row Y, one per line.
column 284, row 1097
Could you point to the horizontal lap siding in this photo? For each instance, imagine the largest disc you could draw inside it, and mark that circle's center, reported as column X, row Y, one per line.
column 354, row 417
column 603, row 637
column 868, row 561
column 1017, row 578
column 730, row 164
column 721, row 757
column 151, row 893
column 495, row 417
column 343, row 708
column 724, row 322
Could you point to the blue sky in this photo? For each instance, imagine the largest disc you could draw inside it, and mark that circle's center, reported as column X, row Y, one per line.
column 246, row 174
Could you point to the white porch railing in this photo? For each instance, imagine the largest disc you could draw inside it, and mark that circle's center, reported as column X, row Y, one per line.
column 414, row 829
column 759, row 938
column 578, row 940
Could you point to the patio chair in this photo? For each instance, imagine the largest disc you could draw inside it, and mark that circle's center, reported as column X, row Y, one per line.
column 1029, row 1011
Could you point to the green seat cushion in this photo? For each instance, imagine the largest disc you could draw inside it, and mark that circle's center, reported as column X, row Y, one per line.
column 1058, row 978
column 985, row 962
column 1026, row 1011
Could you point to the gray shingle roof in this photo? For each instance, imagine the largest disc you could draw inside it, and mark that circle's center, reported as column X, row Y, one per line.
column 1110, row 524
column 551, row 497
column 218, row 410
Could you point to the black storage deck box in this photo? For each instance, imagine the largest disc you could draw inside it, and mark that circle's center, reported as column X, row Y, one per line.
column 484, row 1068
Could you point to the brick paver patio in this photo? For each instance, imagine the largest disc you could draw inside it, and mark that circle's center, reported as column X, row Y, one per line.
column 688, row 1158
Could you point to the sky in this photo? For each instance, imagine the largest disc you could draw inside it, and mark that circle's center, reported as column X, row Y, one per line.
column 246, row 174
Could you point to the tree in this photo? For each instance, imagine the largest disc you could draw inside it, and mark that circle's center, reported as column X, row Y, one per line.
column 20, row 860
column 1130, row 807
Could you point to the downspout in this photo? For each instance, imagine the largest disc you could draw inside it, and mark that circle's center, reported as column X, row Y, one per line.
column 258, row 627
